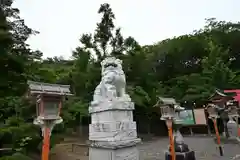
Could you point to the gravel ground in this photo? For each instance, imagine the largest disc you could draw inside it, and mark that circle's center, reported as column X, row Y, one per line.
column 204, row 147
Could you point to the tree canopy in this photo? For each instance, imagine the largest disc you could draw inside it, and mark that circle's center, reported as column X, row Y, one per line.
column 189, row 68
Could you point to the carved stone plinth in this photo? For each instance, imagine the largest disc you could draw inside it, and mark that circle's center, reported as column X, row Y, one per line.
column 112, row 132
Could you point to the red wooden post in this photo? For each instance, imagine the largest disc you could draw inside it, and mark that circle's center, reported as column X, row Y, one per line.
column 46, row 144
column 171, row 139
column 218, row 136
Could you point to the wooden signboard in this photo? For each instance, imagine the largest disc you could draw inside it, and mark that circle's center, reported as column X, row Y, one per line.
column 200, row 117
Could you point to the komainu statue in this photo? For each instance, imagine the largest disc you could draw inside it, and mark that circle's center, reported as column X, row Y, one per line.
column 113, row 82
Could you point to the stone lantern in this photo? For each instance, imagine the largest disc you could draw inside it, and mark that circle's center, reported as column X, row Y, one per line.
column 232, row 125
column 48, row 99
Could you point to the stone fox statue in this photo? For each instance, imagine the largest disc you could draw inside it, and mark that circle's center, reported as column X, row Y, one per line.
column 113, row 82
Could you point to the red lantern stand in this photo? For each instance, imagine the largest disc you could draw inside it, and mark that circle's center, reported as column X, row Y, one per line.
column 48, row 108
column 213, row 115
column 168, row 113
column 46, row 121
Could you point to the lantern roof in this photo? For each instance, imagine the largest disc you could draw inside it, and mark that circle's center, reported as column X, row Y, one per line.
column 165, row 101
column 36, row 88
column 168, row 101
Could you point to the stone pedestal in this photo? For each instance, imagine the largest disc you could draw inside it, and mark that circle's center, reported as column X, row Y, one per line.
column 112, row 132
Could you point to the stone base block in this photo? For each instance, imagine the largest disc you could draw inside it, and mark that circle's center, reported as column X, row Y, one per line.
column 181, row 156
column 180, row 148
column 128, row 153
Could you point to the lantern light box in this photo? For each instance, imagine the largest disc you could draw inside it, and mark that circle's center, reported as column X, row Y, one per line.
column 167, row 107
column 212, row 111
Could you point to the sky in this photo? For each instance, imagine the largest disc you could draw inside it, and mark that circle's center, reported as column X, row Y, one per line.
column 61, row 22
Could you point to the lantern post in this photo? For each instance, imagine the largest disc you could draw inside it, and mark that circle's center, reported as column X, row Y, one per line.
column 169, row 113
column 213, row 115
column 48, row 99
column 167, row 110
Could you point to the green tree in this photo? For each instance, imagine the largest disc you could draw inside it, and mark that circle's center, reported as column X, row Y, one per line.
column 215, row 67
column 17, row 63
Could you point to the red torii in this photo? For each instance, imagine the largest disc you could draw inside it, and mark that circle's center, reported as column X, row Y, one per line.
column 237, row 91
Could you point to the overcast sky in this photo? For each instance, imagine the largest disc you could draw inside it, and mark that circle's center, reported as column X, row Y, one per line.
column 61, row 22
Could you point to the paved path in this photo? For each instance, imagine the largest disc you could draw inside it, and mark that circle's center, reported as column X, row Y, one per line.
column 204, row 147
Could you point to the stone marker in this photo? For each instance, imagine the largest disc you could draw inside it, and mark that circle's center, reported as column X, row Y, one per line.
column 232, row 129
column 181, row 149
column 112, row 132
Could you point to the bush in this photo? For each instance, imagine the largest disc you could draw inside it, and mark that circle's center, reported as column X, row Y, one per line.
column 16, row 156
